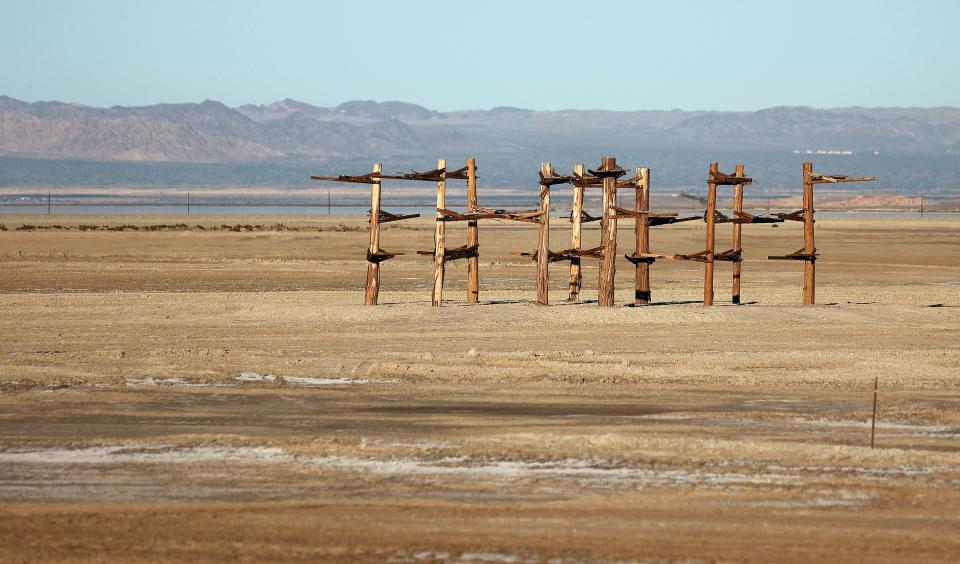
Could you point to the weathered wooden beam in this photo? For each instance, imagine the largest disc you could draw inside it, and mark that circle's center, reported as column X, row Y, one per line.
column 576, row 217
column 723, row 179
column 817, row 178
column 387, row 217
column 473, row 235
column 372, row 291
column 800, row 254
column 439, row 239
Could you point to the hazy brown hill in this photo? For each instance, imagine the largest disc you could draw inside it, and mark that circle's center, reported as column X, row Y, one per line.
column 131, row 138
column 908, row 148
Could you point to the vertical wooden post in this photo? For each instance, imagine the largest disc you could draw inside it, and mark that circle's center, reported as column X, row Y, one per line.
column 543, row 239
column 439, row 242
column 373, row 267
column 737, row 234
column 608, row 262
column 577, row 217
column 642, row 228
column 810, row 265
column 710, row 217
column 473, row 235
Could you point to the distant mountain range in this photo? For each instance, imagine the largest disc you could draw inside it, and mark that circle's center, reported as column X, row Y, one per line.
column 912, row 147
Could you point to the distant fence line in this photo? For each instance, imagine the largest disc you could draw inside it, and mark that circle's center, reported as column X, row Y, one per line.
column 47, row 203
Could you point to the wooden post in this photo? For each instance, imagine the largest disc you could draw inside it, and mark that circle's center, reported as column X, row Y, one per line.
column 810, row 265
column 577, row 217
column 439, row 242
column 543, row 239
column 608, row 262
column 373, row 267
column 710, row 217
column 642, row 228
column 737, row 238
column 473, row 235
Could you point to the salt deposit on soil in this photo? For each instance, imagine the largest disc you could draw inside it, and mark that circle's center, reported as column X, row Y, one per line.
column 145, row 453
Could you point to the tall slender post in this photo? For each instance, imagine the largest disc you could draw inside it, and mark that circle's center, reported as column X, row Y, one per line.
column 439, row 242
column 810, row 265
column 576, row 216
column 608, row 262
column 642, row 228
column 473, row 235
column 50, row 205
column 543, row 239
column 188, row 203
column 328, row 202
column 710, row 217
column 921, row 205
column 737, row 235
column 373, row 266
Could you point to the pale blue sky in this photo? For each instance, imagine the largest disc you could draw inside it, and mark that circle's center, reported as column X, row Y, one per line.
column 448, row 55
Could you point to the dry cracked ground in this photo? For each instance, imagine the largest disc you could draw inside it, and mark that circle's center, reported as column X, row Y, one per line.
column 213, row 391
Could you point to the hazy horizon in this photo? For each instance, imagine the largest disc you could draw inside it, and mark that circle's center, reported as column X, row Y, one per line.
column 455, row 110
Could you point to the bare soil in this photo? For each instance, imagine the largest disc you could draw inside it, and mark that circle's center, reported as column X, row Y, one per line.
column 178, row 392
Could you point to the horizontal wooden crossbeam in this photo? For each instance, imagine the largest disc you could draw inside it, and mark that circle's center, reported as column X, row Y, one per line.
column 456, row 253
column 606, row 172
column 554, row 179
column 380, row 256
column 622, row 213
column 817, row 178
column 696, row 257
column 434, row 175
column 584, row 217
column 642, row 258
column 790, row 216
column 585, row 180
column 566, row 254
column 796, row 255
column 387, row 217
column 730, row 255
column 529, row 216
column 743, row 218
column 655, row 221
column 724, row 179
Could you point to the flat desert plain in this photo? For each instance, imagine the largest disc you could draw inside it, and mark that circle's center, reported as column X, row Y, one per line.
column 216, row 391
